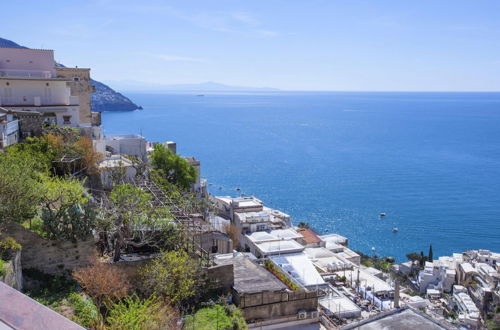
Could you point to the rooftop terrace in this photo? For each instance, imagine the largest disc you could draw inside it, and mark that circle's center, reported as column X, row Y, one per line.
column 250, row 277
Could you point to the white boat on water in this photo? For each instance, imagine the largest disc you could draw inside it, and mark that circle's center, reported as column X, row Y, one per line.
column 383, row 214
column 394, row 229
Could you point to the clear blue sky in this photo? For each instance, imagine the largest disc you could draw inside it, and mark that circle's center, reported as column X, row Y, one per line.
column 288, row 44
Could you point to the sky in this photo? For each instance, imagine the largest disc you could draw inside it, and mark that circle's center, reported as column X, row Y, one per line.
column 350, row 45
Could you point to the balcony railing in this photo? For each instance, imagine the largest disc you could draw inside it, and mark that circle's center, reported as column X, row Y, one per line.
column 6, row 73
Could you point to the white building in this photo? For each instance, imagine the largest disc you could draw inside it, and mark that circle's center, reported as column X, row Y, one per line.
column 28, row 81
column 116, row 169
column 9, row 129
column 126, row 144
column 271, row 242
column 468, row 312
column 439, row 274
column 299, row 268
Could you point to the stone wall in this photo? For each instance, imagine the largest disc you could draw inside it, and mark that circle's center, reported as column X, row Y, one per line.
column 276, row 304
column 222, row 276
column 50, row 256
column 14, row 275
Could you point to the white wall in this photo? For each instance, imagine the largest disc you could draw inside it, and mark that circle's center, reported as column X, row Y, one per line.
column 34, row 92
column 21, row 61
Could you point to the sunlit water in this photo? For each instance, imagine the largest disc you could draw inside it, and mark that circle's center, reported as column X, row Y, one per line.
column 430, row 161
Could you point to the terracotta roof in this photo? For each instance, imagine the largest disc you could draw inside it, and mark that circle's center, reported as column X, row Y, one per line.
column 19, row 311
column 310, row 236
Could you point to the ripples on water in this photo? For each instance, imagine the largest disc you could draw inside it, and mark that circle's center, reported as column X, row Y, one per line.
column 431, row 161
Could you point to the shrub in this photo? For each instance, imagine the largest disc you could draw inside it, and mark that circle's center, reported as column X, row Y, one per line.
column 105, row 283
column 3, row 271
column 174, row 276
column 216, row 317
column 135, row 314
column 280, row 275
column 8, row 247
column 86, row 313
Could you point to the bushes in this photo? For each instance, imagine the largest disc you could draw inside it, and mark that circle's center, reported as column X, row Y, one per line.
column 105, row 283
column 86, row 312
column 216, row 317
column 8, row 247
column 173, row 276
column 3, row 271
column 133, row 313
column 279, row 274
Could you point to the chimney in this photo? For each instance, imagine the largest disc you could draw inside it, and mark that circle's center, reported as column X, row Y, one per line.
column 396, row 294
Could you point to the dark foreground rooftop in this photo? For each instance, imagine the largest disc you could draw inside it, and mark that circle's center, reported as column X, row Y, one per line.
column 249, row 277
column 18, row 311
column 403, row 318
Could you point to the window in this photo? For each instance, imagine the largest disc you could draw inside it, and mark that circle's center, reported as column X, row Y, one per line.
column 76, row 78
column 66, row 120
column 261, row 227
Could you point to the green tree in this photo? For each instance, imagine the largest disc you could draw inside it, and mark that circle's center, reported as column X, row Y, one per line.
column 20, row 188
column 174, row 276
column 431, row 256
column 131, row 219
column 303, row 225
column 66, row 211
column 172, row 167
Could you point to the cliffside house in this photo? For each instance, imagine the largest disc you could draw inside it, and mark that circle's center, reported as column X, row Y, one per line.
column 30, row 80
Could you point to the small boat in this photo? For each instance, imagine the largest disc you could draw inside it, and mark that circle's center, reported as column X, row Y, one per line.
column 394, row 229
column 238, row 189
column 383, row 214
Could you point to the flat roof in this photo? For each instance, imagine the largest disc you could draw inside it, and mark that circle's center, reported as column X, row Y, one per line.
column 298, row 266
column 334, row 238
column 367, row 279
column 123, row 136
column 283, row 246
column 336, row 302
column 250, row 277
column 397, row 319
column 254, row 216
column 273, row 235
column 115, row 162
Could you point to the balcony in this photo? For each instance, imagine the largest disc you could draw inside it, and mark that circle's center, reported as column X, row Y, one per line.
column 10, row 127
column 11, row 73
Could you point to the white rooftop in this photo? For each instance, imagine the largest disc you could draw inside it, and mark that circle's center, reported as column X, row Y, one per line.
column 277, row 247
column 260, row 216
column 123, row 136
column 367, row 280
column 298, row 266
column 273, row 235
column 115, row 161
column 334, row 238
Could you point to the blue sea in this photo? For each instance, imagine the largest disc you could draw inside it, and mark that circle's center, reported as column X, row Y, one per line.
column 430, row 161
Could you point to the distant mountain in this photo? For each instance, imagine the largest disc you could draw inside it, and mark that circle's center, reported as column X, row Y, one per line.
column 104, row 98
column 209, row 86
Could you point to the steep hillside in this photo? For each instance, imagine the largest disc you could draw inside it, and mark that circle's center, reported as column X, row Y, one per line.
column 104, row 98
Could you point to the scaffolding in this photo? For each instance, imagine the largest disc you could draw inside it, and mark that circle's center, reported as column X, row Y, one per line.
column 192, row 226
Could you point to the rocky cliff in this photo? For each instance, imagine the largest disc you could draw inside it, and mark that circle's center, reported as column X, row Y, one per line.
column 104, row 98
